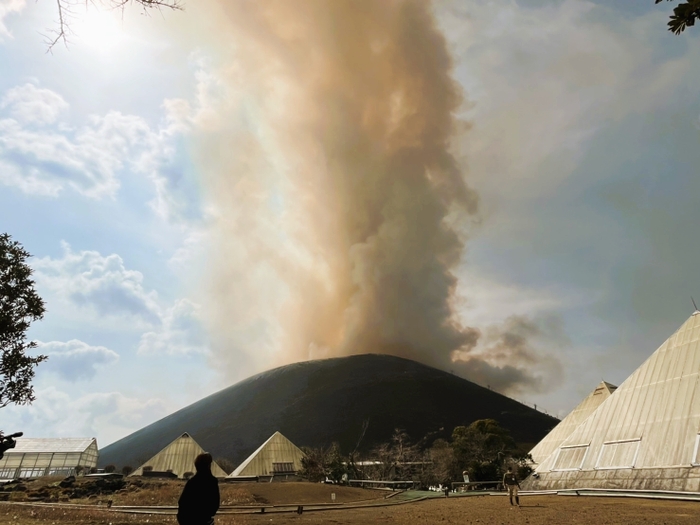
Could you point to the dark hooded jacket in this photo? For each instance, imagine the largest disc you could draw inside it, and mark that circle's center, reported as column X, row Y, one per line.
column 199, row 500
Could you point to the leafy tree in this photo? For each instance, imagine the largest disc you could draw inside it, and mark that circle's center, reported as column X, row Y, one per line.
column 127, row 469
column 20, row 305
column 394, row 459
column 321, row 463
column 313, row 464
column 483, row 448
column 336, row 466
column 439, row 465
column 684, row 15
column 110, row 468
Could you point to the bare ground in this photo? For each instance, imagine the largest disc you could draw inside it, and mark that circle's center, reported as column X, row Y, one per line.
column 482, row 510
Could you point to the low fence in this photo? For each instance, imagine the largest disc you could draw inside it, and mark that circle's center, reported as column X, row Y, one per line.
column 477, row 485
column 379, row 484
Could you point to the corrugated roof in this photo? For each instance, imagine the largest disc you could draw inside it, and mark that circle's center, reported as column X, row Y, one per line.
column 178, row 457
column 566, row 426
column 277, row 449
column 25, row 445
column 652, row 419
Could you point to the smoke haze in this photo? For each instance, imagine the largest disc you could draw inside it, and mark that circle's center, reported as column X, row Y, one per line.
column 341, row 212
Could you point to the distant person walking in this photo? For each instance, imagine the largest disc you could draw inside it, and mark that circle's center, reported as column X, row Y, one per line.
column 510, row 481
column 200, row 497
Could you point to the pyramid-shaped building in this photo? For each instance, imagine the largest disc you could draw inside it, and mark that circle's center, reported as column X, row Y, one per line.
column 643, row 436
column 277, row 456
column 566, row 426
column 178, row 458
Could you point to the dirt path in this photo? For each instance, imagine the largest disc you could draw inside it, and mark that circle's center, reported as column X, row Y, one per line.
column 486, row 510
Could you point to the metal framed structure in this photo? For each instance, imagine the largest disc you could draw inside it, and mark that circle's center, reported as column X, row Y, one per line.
column 646, row 434
column 276, row 457
column 177, row 460
column 36, row 457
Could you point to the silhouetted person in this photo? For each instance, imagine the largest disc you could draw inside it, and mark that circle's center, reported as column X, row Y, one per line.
column 510, row 480
column 200, row 497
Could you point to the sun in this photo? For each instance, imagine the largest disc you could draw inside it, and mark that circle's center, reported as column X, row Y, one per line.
column 99, row 30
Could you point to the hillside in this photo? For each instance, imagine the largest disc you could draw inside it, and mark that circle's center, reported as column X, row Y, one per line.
column 315, row 403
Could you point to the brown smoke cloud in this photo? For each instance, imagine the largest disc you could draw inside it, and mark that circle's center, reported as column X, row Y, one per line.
column 341, row 212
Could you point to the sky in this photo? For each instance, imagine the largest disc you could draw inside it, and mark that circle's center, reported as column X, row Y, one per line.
column 149, row 168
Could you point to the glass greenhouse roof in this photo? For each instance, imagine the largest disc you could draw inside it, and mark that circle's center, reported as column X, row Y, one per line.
column 25, row 445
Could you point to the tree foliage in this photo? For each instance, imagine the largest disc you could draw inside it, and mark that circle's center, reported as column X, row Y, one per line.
column 319, row 464
column 394, row 459
column 20, row 305
column 483, row 448
column 440, row 466
column 684, row 15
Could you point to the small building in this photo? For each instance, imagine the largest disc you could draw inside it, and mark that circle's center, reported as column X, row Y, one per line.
column 36, row 457
column 276, row 457
column 176, row 460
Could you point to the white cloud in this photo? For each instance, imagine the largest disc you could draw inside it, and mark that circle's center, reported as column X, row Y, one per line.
column 57, row 413
column 103, row 287
column 42, row 155
column 8, row 7
column 189, row 254
column 30, row 104
column 46, row 161
column 75, row 360
column 99, row 283
column 180, row 332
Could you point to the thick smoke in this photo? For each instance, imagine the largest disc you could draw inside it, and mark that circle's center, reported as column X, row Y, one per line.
column 340, row 209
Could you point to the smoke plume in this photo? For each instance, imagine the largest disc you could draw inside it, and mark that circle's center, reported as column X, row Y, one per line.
column 340, row 209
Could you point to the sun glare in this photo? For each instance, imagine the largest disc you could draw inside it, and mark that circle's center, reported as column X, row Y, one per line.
column 100, row 30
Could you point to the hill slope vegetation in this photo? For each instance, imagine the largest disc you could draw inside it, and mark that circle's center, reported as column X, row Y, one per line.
column 316, row 403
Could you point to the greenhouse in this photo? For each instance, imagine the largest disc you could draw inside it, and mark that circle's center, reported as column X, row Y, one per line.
column 35, row 457
column 177, row 459
column 643, row 436
column 276, row 457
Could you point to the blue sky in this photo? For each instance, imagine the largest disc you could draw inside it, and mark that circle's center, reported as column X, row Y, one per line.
column 585, row 120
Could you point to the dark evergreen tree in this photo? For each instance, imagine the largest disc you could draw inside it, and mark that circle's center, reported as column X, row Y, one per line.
column 20, row 305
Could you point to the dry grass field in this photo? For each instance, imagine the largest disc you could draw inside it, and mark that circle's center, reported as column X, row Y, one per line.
column 482, row 510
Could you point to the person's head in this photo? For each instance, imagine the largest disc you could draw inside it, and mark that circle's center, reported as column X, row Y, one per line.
column 203, row 462
column 510, row 469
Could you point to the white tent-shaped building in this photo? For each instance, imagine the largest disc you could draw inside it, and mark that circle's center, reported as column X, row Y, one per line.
column 645, row 435
column 277, row 456
column 571, row 422
column 178, row 457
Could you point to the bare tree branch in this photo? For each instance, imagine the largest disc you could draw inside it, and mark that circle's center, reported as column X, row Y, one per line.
column 67, row 11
